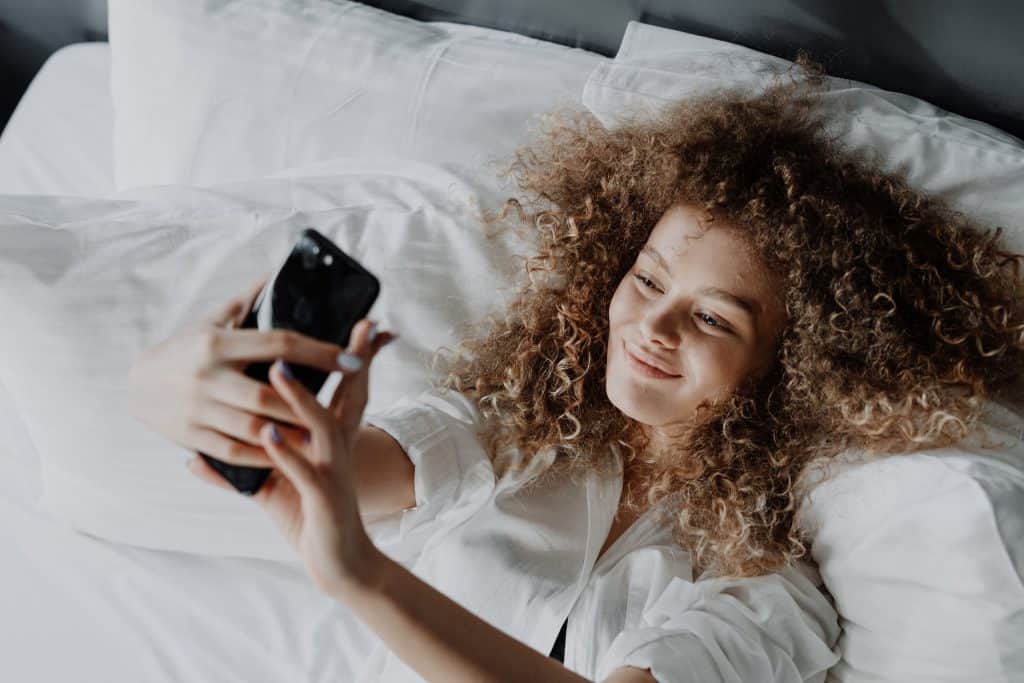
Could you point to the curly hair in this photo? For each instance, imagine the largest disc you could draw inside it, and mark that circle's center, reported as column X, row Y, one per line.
column 902, row 313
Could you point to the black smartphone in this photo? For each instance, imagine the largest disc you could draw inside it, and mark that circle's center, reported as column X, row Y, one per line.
column 321, row 292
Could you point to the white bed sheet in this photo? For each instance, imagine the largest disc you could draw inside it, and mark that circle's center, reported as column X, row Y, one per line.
column 77, row 608
column 59, row 140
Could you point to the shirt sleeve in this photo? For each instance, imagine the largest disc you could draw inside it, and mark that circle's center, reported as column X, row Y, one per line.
column 453, row 474
column 778, row 628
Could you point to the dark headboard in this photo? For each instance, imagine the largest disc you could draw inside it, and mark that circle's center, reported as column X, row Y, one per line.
column 967, row 57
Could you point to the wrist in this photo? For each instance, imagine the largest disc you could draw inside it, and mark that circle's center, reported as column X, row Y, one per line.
column 367, row 578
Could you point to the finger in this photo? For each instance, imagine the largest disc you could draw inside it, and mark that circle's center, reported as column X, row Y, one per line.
column 296, row 437
column 199, row 467
column 238, row 307
column 227, row 449
column 302, row 402
column 337, row 402
column 243, row 425
column 234, row 388
column 275, row 486
column 353, row 387
column 291, row 463
column 293, row 346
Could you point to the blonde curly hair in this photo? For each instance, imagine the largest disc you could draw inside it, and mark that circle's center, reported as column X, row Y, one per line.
column 902, row 313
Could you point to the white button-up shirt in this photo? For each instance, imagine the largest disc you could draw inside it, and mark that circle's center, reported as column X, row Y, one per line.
column 525, row 560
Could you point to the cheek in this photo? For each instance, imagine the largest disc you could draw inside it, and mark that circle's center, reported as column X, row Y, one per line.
column 619, row 310
column 616, row 308
column 721, row 367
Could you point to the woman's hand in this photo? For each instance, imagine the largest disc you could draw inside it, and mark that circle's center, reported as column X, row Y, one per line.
column 191, row 387
column 310, row 494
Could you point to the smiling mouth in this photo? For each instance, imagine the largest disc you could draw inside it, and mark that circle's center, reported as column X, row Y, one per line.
column 644, row 369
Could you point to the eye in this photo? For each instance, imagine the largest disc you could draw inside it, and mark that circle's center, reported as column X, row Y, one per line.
column 647, row 282
column 713, row 322
column 709, row 321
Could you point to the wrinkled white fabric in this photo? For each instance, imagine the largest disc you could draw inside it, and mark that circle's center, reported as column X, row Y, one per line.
column 88, row 284
column 525, row 562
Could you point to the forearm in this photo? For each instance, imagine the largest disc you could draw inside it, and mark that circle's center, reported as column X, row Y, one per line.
column 440, row 639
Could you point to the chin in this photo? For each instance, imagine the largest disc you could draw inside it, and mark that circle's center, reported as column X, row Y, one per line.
column 629, row 398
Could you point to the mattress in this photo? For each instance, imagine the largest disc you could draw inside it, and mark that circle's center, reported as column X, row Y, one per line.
column 60, row 138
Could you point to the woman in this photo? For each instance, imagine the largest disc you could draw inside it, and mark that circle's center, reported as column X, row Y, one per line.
column 720, row 299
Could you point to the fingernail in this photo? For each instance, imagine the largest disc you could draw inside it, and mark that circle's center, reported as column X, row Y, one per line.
column 349, row 362
column 373, row 333
column 275, row 436
column 286, row 371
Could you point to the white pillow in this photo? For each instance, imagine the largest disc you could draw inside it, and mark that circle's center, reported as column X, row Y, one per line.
column 975, row 166
column 86, row 284
column 43, row 149
column 924, row 556
column 206, row 93
column 924, row 552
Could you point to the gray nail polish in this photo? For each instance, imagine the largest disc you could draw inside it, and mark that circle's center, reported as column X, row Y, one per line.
column 286, row 371
column 349, row 362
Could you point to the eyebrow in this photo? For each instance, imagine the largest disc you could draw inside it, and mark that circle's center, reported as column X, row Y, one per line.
column 748, row 305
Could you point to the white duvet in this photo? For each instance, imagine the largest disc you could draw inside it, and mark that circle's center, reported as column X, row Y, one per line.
column 118, row 564
column 87, row 285
column 77, row 608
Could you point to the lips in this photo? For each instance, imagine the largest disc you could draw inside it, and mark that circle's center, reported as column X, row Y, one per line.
column 650, row 360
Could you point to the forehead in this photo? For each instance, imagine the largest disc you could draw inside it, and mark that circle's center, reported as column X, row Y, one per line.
column 684, row 236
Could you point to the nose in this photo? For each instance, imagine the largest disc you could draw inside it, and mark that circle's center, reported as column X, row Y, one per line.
column 660, row 325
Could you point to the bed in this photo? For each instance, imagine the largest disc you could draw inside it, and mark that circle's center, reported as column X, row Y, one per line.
column 88, row 600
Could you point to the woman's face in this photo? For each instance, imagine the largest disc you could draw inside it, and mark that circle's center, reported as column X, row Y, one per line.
column 702, row 307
